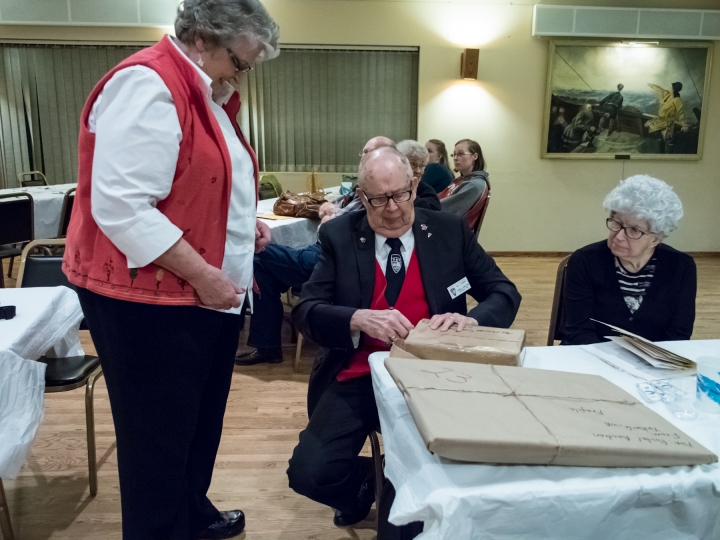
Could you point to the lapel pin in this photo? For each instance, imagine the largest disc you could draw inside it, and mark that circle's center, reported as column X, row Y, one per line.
column 423, row 227
column 429, row 234
column 362, row 240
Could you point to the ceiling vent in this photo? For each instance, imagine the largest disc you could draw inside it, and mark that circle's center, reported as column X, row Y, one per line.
column 576, row 21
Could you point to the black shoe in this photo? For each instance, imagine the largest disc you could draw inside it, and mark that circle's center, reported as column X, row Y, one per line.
column 365, row 500
column 229, row 525
column 259, row 356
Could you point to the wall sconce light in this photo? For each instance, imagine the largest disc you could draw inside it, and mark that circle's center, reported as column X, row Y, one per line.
column 469, row 64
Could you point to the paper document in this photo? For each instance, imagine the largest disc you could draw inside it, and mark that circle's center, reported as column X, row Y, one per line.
column 273, row 217
column 651, row 353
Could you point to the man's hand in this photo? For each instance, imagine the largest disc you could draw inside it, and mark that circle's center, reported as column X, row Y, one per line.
column 327, row 209
column 386, row 325
column 262, row 235
column 216, row 290
column 446, row 320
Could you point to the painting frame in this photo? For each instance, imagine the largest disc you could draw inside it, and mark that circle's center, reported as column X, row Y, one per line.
column 637, row 117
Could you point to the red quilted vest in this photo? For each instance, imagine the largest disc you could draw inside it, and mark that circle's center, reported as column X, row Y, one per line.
column 411, row 302
column 198, row 202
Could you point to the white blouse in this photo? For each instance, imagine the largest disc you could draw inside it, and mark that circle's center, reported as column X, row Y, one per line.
column 137, row 142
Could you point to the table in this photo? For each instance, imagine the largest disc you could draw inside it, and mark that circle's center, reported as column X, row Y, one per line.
column 48, row 201
column 297, row 233
column 47, row 320
column 498, row 502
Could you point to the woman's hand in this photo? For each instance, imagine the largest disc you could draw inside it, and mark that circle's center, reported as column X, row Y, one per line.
column 445, row 321
column 216, row 290
column 262, row 235
column 386, row 325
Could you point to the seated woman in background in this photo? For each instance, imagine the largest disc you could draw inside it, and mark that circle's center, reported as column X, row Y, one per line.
column 467, row 188
column 632, row 280
column 438, row 173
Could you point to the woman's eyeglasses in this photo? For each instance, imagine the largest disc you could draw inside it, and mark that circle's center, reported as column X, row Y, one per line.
column 236, row 62
column 631, row 232
column 458, row 154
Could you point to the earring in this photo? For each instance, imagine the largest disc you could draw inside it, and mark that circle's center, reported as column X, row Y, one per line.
column 200, row 62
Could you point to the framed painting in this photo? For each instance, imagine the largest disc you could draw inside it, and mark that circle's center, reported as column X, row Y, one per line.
column 608, row 100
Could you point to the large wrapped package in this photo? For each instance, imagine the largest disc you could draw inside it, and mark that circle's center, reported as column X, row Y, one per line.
column 501, row 414
column 476, row 344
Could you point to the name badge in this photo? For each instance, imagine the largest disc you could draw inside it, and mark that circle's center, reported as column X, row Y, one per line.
column 456, row 289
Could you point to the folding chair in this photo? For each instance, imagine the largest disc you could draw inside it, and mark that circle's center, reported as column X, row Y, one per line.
column 63, row 374
column 66, row 212
column 17, row 226
column 42, row 181
column 476, row 215
column 555, row 330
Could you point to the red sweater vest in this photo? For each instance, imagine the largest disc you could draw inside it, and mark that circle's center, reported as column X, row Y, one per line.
column 411, row 302
column 198, row 203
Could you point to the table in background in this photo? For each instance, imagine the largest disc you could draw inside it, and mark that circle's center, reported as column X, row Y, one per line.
column 503, row 502
column 47, row 319
column 48, row 201
column 297, row 233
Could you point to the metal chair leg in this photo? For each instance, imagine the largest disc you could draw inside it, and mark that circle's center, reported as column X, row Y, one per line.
column 377, row 466
column 90, row 424
column 5, row 525
column 298, row 350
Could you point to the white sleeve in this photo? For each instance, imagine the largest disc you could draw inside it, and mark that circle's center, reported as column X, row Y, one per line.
column 137, row 142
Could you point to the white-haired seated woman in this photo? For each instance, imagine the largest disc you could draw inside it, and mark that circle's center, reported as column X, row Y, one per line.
column 632, row 280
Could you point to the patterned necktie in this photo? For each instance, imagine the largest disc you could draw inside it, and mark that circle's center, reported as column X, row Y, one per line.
column 394, row 272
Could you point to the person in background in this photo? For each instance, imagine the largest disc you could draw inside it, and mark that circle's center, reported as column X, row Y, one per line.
column 632, row 280
column 277, row 268
column 438, row 173
column 416, row 154
column 380, row 273
column 670, row 114
column 164, row 227
column 467, row 188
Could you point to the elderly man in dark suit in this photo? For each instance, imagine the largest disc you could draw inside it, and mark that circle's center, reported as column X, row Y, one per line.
column 379, row 273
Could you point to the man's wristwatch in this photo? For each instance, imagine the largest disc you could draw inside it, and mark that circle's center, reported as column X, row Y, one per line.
column 7, row 312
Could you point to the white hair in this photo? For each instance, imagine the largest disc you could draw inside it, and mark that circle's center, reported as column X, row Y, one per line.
column 221, row 22
column 413, row 150
column 648, row 198
column 367, row 162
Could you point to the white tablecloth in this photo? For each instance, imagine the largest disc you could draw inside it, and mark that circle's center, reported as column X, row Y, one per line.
column 47, row 317
column 297, row 233
column 48, row 205
column 496, row 502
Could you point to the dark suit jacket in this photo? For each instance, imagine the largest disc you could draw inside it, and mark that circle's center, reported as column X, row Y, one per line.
column 667, row 311
column 343, row 282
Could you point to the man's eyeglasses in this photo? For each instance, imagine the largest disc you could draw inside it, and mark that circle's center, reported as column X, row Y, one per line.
column 383, row 200
column 236, row 62
column 458, row 154
column 631, row 232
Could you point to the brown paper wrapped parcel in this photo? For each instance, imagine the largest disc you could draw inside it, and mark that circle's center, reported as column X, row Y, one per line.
column 477, row 344
column 501, row 414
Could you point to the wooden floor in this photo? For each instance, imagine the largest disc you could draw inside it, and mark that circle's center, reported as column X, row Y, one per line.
column 266, row 411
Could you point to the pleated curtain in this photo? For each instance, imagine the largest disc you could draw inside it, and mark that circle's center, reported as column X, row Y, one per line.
column 316, row 108
column 42, row 92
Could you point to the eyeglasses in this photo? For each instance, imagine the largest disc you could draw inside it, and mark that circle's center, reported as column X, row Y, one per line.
column 458, row 154
column 383, row 200
column 631, row 232
column 236, row 62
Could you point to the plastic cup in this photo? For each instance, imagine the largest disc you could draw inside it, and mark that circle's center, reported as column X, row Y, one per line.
column 708, row 383
column 684, row 405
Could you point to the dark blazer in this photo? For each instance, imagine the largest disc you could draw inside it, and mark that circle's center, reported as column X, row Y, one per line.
column 592, row 291
column 344, row 278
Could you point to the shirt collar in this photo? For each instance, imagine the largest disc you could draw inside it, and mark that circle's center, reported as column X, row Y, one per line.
column 205, row 81
column 405, row 239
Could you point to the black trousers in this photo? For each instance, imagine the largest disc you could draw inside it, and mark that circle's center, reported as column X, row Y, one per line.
column 325, row 465
column 168, row 371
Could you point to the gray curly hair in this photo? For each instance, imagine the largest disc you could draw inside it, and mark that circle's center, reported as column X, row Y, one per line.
column 413, row 150
column 222, row 22
column 647, row 198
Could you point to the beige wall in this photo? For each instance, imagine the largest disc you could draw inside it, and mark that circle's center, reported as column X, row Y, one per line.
column 537, row 205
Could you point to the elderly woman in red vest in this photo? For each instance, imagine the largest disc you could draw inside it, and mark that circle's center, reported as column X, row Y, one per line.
column 161, row 249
